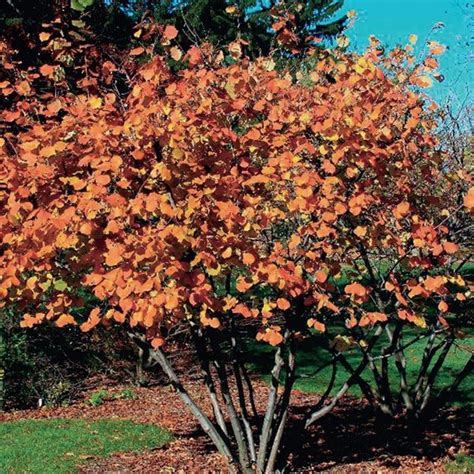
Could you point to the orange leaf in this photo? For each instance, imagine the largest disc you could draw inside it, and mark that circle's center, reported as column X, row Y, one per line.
column 321, row 277
column 274, row 337
column 47, row 70
column 450, row 247
column 248, row 258
column 86, row 228
column 436, row 48
column 340, row 208
column 114, row 256
column 443, row 322
column 103, row 179
column 401, row 210
column 194, row 55
column 377, row 317
column 137, row 51
column 243, row 310
column 360, row 231
column 312, row 323
column 44, row 36
column 253, row 134
column 242, row 285
column 443, row 306
column 227, row 253
column 170, row 32
column 469, row 199
column 64, row 320
column 157, row 342
column 355, row 289
column 283, row 304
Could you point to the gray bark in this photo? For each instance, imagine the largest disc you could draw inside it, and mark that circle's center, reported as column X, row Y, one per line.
column 270, row 411
column 159, row 357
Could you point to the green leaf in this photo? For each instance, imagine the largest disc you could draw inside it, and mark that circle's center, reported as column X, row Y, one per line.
column 78, row 23
column 81, row 5
column 60, row 285
column 46, row 285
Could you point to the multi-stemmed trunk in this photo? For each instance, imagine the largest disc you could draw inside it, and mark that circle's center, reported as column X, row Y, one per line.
column 3, row 355
column 250, row 442
column 414, row 399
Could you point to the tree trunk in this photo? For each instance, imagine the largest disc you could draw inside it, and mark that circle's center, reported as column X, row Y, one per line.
column 3, row 357
column 270, row 411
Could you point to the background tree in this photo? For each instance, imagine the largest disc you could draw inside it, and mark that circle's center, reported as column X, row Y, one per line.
column 217, row 21
column 222, row 22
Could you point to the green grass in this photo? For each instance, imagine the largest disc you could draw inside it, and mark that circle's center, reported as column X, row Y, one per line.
column 462, row 463
column 312, row 354
column 59, row 446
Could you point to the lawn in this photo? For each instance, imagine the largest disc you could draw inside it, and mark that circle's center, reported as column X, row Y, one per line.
column 312, row 355
column 461, row 464
column 59, row 446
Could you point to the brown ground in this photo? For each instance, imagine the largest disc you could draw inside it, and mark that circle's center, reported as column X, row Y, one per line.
column 346, row 441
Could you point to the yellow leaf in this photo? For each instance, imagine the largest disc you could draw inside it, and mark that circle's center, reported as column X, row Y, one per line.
column 176, row 53
column 48, row 151
column 177, row 153
column 95, row 102
column 214, row 271
column 424, row 81
column 305, row 117
column 342, row 41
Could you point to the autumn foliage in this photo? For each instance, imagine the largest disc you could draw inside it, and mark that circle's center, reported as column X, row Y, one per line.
column 227, row 190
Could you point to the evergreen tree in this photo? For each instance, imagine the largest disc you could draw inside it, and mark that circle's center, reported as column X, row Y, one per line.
column 216, row 21
column 221, row 21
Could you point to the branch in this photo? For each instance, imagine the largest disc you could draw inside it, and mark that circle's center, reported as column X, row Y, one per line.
column 283, row 408
column 234, row 419
column 220, row 443
column 200, row 345
column 270, row 411
column 242, row 400
column 354, row 377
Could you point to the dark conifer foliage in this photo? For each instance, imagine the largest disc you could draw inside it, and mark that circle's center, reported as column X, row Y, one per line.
column 217, row 21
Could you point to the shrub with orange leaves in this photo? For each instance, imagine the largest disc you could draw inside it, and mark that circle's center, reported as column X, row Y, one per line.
column 223, row 193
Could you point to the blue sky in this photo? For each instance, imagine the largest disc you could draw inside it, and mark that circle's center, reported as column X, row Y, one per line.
column 392, row 21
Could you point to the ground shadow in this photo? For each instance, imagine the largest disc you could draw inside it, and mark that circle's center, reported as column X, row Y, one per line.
column 353, row 434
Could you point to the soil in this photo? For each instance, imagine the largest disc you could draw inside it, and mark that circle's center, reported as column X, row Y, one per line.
column 349, row 440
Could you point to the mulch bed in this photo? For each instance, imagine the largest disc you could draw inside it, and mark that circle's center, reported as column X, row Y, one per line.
column 349, row 440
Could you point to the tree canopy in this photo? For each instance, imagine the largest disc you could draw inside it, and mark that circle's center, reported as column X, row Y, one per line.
column 217, row 194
